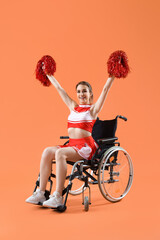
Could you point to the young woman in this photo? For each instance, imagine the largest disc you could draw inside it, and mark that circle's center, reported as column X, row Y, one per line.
column 81, row 144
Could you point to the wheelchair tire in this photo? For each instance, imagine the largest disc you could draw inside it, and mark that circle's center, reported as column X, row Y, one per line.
column 86, row 204
column 115, row 174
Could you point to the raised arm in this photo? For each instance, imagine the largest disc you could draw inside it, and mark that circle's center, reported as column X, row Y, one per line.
column 99, row 104
column 67, row 100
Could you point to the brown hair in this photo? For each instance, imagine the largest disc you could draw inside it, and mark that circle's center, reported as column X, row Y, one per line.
column 89, row 86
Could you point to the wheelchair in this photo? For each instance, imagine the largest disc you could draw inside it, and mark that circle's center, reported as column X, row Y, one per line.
column 110, row 167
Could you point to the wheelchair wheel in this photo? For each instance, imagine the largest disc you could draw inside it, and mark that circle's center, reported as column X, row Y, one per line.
column 115, row 174
column 78, row 184
column 86, row 203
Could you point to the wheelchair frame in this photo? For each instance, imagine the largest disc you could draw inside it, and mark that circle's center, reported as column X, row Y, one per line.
column 105, row 160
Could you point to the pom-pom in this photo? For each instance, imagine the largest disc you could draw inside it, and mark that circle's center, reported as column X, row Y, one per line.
column 46, row 65
column 118, row 64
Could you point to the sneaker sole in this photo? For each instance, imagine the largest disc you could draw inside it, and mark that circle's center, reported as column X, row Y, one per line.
column 35, row 203
column 46, row 206
column 52, row 207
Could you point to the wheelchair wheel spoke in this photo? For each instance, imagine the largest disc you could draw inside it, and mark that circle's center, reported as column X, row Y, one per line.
column 120, row 170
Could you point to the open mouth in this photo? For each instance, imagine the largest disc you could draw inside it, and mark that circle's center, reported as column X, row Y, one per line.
column 82, row 98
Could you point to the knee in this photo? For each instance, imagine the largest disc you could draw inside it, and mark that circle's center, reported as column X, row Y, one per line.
column 49, row 152
column 59, row 155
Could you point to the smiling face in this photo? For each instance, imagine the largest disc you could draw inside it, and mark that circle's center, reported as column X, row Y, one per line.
column 83, row 94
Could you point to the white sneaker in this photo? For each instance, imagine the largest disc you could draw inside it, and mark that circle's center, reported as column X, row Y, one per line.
column 54, row 200
column 37, row 197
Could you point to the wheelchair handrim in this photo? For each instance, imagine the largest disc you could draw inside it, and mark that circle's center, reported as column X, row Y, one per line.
column 104, row 160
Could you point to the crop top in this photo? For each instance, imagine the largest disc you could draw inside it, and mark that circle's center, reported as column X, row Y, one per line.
column 80, row 117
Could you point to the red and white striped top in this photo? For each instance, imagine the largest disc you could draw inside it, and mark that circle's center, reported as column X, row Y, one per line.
column 80, row 117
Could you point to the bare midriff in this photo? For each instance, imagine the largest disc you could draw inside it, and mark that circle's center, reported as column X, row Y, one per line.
column 77, row 133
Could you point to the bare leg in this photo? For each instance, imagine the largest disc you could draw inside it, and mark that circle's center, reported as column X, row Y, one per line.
column 46, row 166
column 61, row 156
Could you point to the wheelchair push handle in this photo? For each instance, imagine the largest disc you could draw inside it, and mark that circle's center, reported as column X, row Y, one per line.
column 122, row 117
column 64, row 137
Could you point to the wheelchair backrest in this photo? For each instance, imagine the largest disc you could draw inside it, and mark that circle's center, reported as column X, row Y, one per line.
column 104, row 129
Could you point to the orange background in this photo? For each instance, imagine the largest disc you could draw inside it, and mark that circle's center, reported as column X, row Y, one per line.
column 80, row 35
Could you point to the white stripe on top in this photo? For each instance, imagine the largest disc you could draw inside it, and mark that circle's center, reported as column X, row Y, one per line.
column 80, row 117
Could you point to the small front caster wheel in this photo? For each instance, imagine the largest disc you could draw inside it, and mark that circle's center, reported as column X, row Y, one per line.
column 61, row 208
column 86, row 203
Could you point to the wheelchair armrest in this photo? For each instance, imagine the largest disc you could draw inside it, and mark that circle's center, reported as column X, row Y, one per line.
column 64, row 137
column 107, row 140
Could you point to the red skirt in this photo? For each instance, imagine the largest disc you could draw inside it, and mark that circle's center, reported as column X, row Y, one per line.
column 86, row 147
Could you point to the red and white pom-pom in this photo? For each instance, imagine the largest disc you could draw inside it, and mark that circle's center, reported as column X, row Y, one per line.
column 118, row 64
column 46, row 65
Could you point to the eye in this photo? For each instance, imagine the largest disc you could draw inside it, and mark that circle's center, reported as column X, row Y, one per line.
column 84, row 90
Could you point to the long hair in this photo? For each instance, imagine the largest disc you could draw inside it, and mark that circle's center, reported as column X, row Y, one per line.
column 89, row 86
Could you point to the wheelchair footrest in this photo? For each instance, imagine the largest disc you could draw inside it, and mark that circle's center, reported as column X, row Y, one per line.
column 47, row 193
column 61, row 208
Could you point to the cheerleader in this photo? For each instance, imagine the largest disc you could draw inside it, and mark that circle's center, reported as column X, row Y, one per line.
column 81, row 144
column 83, row 114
